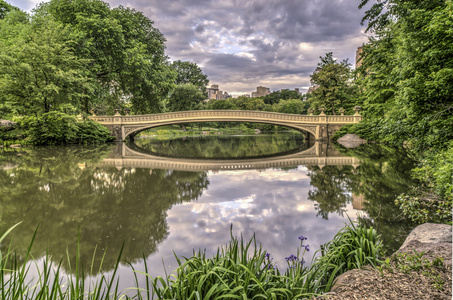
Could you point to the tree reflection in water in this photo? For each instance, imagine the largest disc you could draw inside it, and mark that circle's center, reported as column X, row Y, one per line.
column 61, row 190
column 383, row 174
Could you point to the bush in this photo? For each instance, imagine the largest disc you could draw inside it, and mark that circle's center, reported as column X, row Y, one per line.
column 90, row 132
column 57, row 128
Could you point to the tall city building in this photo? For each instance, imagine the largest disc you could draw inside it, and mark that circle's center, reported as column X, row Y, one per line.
column 261, row 91
column 311, row 89
column 358, row 57
column 215, row 93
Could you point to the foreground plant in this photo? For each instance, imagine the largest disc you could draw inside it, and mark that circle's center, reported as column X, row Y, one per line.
column 352, row 247
column 238, row 270
column 51, row 283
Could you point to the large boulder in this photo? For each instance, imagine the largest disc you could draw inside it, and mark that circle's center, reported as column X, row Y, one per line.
column 351, row 141
column 429, row 233
column 7, row 123
column 435, row 240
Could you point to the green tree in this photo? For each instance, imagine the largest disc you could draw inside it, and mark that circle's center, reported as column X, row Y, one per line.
column 185, row 97
column 334, row 89
column 126, row 53
column 38, row 68
column 412, row 60
column 406, row 82
column 284, row 94
column 189, row 72
column 5, row 8
column 221, row 104
column 291, row 106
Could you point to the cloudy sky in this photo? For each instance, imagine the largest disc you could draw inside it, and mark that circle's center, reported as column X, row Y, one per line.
column 242, row 44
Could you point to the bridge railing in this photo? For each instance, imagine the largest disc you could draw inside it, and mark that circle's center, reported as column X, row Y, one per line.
column 200, row 115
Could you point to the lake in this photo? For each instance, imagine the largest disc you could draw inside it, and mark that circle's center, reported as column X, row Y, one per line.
column 161, row 195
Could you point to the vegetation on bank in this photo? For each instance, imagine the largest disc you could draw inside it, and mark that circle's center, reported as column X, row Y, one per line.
column 405, row 88
column 238, row 270
column 54, row 128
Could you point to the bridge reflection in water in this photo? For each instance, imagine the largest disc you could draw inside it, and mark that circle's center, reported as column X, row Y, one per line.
column 319, row 154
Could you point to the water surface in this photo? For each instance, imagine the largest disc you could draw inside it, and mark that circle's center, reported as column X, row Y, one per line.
column 115, row 194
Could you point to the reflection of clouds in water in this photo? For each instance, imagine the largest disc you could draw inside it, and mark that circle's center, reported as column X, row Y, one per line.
column 271, row 203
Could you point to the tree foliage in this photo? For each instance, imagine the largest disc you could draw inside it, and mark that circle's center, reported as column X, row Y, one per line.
column 406, row 86
column 284, row 94
column 84, row 53
column 38, row 70
column 5, row 8
column 407, row 73
column 185, row 97
column 334, row 89
column 189, row 72
column 291, row 106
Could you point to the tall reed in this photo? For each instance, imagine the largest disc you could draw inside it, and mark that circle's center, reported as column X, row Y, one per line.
column 239, row 270
column 50, row 283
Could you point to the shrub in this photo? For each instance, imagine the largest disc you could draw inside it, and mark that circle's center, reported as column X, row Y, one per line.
column 57, row 128
column 90, row 132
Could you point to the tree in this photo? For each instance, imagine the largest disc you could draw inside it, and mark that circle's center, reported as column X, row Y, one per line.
column 189, row 72
column 406, row 75
column 5, row 8
column 334, row 89
column 185, row 97
column 38, row 68
column 406, row 82
column 291, row 106
column 221, row 104
column 284, row 94
column 126, row 53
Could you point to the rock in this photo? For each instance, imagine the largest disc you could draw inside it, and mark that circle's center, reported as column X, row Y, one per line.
column 350, row 276
column 433, row 239
column 351, row 140
column 7, row 123
column 429, row 233
column 431, row 251
column 7, row 166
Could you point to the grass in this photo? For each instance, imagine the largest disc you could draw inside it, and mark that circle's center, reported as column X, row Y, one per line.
column 238, row 270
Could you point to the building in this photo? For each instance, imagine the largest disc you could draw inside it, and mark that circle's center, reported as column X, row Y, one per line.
column 261, row 91
column 311, row 89
column 358, row 57
column 216, row 94
column 358, row 201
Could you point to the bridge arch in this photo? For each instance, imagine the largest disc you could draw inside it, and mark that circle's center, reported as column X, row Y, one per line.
column 134, row 130
column 320, row 126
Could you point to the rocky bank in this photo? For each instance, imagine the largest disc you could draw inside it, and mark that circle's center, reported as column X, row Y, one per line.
column 409, row 274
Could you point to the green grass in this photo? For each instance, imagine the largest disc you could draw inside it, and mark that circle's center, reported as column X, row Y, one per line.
column 238, row 270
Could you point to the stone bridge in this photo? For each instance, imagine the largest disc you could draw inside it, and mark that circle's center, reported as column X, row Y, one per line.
column 319, row 154
column 321, row 127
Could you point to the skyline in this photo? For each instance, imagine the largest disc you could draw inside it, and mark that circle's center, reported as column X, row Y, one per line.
column 244, row 44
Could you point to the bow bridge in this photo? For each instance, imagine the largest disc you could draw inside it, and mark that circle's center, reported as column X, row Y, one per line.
column 321, row 127
column 319, row 154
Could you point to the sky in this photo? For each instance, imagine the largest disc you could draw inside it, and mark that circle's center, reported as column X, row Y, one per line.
column 242, row 44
